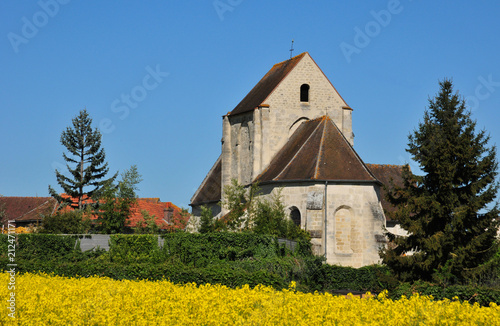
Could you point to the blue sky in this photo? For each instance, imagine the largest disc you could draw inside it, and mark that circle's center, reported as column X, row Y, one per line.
column 157, row 76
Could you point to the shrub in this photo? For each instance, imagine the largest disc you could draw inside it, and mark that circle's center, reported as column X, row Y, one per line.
column 71, row 222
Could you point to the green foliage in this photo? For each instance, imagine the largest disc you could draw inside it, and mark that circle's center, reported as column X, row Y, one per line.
column 116, row 201
column 69, row 222
column 87, row 160
column 113, row 211
column 202, row 249
column 250, row 213
column 127, row 187
column 238, row 201
column 128, row 248
column 207, row 223
column 471, row 294
column 44, row 246
column 451, row 230
column 147, row 225
column 372, row 278
column 3, row 215
column 232, row 259
column 269, row 217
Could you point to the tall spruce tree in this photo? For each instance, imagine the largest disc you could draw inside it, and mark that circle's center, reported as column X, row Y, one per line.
column 85, row 163
column 447, row 211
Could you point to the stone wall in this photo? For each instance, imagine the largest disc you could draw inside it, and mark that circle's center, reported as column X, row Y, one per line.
column 354, row 219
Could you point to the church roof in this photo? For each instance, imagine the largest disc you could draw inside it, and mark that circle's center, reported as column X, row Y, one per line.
column 317, row 151
column 210, row 190
column 266, row 85
column 387, row 173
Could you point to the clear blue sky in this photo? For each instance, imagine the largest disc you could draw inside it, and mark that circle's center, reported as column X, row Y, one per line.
column 157, row 76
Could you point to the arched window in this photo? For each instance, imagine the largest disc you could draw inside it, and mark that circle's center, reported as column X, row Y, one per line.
column 304, row 93
column 295, row 216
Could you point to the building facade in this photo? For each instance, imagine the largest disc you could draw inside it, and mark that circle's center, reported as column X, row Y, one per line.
column 293, row 133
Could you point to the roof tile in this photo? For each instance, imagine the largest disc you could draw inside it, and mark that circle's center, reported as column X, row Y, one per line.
column 317, row 151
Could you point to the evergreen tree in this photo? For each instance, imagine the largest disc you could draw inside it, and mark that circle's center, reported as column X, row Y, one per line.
column 451, row 228
column 86, row 159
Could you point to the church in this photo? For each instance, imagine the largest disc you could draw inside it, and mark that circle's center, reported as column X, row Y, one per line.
column 293, row 131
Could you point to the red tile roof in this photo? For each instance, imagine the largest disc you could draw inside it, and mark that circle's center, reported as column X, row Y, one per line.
column 168, row 216
column 317, row 151
column 27, row 209
column 30, row 209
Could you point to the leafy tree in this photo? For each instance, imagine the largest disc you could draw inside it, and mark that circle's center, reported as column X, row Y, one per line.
column 238, row 201
column 115, row 204
column 251, row 213
column 269, row 217
column 87, row 160
column 127, row 187
column 112, row 211
column 206, row 220
column 447, row 211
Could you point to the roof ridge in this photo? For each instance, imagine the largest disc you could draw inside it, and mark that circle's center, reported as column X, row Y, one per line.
column 300, row 149
column 42, row 204
column 295, row 57
column 318, row 159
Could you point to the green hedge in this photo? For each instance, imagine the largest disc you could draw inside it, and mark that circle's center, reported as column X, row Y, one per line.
column 374, row 278
column 469, row 293
column 232, row 259
column 129, row 248
column 40, row 246
column 203, row 249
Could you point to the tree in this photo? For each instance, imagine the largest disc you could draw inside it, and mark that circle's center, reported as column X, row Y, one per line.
column 112, row 211
column 249, row 212
column 447, row 211
column 87, row 159
column 239, row 202
column 127, row 187
column 207, row 223
column 115, row 204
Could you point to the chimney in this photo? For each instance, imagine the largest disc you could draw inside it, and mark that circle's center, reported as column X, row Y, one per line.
column 168, row 213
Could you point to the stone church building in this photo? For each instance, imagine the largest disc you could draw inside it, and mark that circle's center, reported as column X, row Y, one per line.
column 293, row 131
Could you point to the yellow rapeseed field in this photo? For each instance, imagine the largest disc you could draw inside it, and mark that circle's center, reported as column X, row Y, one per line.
column 51, row 300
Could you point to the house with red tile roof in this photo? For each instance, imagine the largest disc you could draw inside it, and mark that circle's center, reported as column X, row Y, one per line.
column 27, row 211
column 293, row 133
